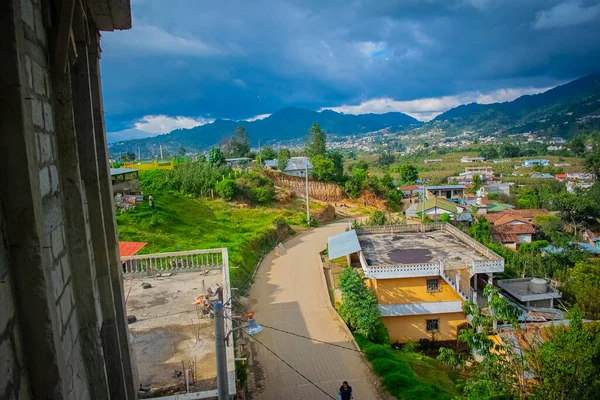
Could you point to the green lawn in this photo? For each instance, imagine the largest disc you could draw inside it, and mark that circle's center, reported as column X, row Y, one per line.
column 180, row 222
column 408, row 375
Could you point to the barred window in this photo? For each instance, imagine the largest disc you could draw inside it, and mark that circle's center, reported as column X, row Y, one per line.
column 433, row 285
column 433, row 325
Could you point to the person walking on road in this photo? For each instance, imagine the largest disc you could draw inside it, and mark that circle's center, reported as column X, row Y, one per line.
column 151, row 202
column 345, row 392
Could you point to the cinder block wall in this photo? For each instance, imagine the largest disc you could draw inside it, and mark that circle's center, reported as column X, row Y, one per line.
column 62, row 329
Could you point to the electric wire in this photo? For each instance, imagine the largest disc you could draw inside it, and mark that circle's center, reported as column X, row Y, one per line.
column 288, row 364
column 363, row 352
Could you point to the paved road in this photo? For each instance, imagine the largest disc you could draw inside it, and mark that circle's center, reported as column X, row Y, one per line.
column 290, row 293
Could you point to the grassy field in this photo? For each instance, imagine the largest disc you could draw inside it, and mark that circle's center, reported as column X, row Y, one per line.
column 451, row 165
column 409, row 375
column 179, row 222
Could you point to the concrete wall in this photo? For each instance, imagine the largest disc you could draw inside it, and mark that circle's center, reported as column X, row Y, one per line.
column 63, row 332
column 411, row 290
column 414, row 327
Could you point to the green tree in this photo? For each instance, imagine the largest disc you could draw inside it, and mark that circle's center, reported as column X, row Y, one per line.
column 267, row 153
column 338, row 164
column 508, row 150
column 227, row 189
column 216, row 157
column 377, row 218
column 353, row 188
column 582, row 287
column 360, row 176
column 359, row 307
column 577, row 145
column 482, row 230
column 362, row 164
column 239, row 145
column 316, row 141
column 488, row 152
column 476, row 183
column 567, row 365
column 575, row 208
column 386, row 159
column 445, row 217
column 283, row 157
column 388, row 181
column 408, row 173
column 323, row 168
column 181, row 152
column 128, row 156
column 592, row 159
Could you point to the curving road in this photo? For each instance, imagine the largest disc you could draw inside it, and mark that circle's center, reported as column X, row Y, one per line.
column 290, row 293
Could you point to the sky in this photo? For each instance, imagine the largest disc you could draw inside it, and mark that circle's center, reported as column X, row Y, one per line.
column 187, row 62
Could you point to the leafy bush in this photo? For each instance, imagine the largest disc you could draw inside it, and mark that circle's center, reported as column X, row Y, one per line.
column 262, row 194
column 256, row 188
column 227, row 189
column 445, row 217
column 378, row 218
column 359, row 307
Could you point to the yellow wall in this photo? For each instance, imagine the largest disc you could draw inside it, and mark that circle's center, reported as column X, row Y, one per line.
column 411, row 290
column 414, row 327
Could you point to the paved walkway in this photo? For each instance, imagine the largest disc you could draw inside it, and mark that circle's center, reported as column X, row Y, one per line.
column 290, row 293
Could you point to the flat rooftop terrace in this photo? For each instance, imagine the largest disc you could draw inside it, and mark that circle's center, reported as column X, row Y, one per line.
column 171, row 330
column 417, row 248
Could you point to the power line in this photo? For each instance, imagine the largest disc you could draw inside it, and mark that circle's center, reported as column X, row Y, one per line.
column 362, row 352
column 286, row 363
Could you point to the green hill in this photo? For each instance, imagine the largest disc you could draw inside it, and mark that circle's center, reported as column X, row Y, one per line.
column 566, row 109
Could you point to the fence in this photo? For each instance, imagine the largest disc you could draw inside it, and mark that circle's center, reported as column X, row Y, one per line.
column 153, row 165
column 413, row 228
column 176, row 261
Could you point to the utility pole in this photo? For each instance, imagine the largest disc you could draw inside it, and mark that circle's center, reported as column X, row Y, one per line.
column 307, row 201
column 139, row 154
column 161, row 157
column 222, row 379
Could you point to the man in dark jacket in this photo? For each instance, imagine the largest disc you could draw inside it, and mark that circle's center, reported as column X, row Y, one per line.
column 345, row 391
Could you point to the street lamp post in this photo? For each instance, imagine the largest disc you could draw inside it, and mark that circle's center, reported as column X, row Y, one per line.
column 307, row 202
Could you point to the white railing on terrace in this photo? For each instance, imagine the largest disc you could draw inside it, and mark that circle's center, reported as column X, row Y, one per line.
column 460, row 280
column 175, row 261
column 402, row 271
column 494, row 262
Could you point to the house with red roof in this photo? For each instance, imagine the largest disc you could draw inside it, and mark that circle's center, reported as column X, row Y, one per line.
column 512, row 230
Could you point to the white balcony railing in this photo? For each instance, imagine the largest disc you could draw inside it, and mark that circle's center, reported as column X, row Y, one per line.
column 193, row 260
column 402, row 271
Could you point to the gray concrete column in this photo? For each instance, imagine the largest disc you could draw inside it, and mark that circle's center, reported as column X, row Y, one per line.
column 22, row 210
column 108, row 213
column 86, row 147
column 77, row 230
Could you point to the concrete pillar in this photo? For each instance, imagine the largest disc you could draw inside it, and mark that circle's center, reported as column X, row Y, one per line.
column 77, row 231
column 22, row 209
column 109, row 219
column 86, row 147
column 475, row 282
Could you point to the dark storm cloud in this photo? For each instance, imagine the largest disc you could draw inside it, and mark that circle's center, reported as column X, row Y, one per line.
column 237, row 59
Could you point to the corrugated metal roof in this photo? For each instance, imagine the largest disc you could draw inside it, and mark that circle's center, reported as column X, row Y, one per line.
column 121, row 171
column 271, row 163
column 343, row 244
column 296, row 163
column 446, row 187
column 130, row 248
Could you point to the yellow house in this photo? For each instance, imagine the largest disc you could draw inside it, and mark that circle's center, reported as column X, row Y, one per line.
column 421, row 274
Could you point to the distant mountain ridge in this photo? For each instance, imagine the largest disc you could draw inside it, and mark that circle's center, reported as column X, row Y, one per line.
column 286, row 124
column 561, row 111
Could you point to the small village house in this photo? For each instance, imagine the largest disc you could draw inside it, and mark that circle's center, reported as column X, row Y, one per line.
column 453, row 193
column 298, row 166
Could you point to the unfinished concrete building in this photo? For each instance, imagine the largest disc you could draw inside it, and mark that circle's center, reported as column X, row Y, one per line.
column 63, row 333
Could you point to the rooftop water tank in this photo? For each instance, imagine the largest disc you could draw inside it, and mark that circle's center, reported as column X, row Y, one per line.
column 538, row 285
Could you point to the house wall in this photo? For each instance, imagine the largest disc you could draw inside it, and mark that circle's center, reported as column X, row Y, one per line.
column 510, row 245
column 414, row 327
column 411, row 290
column 524, row 238
column 58, row 286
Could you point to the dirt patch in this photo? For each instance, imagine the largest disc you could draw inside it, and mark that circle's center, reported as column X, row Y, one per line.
column 326, row 214
column 410, row 256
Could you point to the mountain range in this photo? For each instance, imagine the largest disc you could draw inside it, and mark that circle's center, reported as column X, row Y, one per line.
column 287, row 124
column 561, row 111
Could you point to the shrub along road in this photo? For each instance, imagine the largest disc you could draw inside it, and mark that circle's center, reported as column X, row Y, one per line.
column 290, row 293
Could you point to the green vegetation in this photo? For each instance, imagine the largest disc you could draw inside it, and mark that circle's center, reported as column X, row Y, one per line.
column 179, row 222
column 565, row 364
column 359, row 307
column 407, row 374
column 238, row 146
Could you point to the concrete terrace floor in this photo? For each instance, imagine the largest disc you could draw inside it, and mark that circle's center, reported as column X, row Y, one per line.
column 170, row 330
column 290, row 293
column 413, row 248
